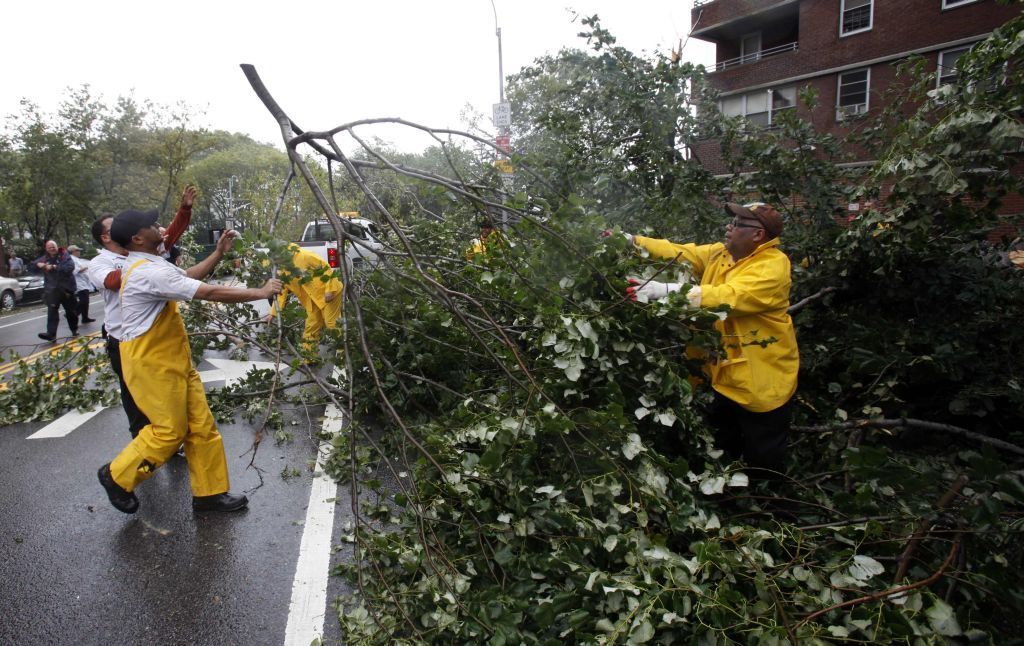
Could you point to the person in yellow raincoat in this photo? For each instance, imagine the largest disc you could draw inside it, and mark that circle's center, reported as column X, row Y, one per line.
column 320, row 298
column 756, row 379
column 488, row 235
column 157, row 366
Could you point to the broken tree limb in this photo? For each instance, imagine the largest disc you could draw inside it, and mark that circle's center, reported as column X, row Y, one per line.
column 810, row 299
column 923, row 525
column 914, row 423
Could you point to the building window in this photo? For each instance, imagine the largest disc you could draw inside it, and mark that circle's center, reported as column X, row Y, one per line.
column 949, row 4
column 761, row 107
column 947, row 65
column 856, row 16
column 750, row 48
column 853, row 93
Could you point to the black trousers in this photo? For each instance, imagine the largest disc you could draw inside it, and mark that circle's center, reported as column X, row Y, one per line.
column 136, row 418
column 83, row 304
column 55, row 299
column 761, row 439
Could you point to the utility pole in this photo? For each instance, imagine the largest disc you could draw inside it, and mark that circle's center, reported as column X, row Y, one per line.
column 502, row 118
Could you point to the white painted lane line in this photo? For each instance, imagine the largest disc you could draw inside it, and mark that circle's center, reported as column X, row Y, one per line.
column 34, row 318
column 65, row 424
column 308, row 606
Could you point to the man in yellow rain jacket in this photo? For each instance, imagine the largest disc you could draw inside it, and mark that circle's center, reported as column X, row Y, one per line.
column 755, row 380
column 157, row 365
column 488, row 235
column 321, row 299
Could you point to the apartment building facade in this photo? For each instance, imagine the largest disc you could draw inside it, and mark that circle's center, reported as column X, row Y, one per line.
column 767, row 50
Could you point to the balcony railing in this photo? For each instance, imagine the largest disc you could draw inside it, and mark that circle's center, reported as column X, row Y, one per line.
column 754, row 56
column 701, row 3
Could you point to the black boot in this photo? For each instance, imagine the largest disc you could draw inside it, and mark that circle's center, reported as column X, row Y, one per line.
column 219, row 502
column 121, row 500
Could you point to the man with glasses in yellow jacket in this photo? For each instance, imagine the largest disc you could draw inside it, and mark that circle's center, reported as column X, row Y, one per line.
column 157, row 365
column 319, row 291
column 756, row 378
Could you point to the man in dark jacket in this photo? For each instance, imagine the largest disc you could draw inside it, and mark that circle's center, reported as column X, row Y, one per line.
column 58, row 271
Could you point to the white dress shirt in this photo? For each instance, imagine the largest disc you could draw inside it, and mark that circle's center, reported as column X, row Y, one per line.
column 147, row 289
column 106, row 262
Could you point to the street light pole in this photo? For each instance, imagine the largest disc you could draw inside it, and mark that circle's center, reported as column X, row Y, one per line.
column 501, row 71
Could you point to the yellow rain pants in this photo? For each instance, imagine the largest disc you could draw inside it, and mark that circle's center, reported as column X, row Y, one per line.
column 159, row 373
column 312, row 295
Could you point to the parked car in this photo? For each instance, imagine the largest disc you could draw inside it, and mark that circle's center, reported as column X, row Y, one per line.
column 11, row 293
column 32, row 288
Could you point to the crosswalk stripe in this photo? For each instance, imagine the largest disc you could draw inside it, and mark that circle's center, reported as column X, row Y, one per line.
column 64, row 424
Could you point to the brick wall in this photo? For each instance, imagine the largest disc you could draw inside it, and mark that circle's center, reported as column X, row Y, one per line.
column 897, row 26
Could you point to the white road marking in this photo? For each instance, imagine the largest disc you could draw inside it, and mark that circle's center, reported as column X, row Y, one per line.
column 63, row 425
column 229, row 371
column 34, row 318
column 308, row 606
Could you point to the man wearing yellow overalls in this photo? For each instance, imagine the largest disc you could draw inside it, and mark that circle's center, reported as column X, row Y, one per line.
column 319, row 297
column 157, row 365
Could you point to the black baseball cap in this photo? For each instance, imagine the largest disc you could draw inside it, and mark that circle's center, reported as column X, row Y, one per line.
column 128, row 223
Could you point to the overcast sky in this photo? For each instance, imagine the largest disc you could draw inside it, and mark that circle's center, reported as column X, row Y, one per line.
column 325, row 62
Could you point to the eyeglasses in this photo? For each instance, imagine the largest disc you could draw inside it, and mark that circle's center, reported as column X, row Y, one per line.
column 740, row 224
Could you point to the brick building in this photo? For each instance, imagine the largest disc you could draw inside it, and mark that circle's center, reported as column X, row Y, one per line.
column 846, row 49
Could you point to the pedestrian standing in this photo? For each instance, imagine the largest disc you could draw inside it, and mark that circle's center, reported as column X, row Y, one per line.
column 16, row 266
column 157, row 365
column 756, row 378
column 59, row 288
column 83, row 286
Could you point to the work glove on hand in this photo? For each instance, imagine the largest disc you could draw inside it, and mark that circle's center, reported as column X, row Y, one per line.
column 608, row 232
column 652, row 290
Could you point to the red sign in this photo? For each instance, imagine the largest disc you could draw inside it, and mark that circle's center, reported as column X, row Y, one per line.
column 502, row 142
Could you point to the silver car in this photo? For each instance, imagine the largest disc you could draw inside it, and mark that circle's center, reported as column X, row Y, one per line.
column 10, row 293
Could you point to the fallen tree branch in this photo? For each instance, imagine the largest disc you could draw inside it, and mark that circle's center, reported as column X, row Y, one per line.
column 813, row 297
column 887, row 593
column 914, row 423
column 922, row 526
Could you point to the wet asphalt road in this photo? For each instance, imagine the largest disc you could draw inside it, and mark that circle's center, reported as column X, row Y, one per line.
column 73, row 570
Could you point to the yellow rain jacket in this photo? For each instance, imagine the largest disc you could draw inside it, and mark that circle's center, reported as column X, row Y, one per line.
column 758, row 378
column 312, row 294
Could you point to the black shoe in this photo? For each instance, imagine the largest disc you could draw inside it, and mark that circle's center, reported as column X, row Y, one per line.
column 121, row 500
column 47, row 337
column 180, row 452
column 88, row 320
column 220, row 502
column 74, row 334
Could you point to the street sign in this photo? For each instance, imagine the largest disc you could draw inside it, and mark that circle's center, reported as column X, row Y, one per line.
column 504, row 165
column 502, row 142
column 502, row 114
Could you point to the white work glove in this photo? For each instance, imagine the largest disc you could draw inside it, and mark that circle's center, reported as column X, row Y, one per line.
column 653, row 290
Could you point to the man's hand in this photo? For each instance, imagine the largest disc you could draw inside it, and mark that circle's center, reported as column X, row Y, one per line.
column 650, row 290
column 226, row 240
column 269, row 318
column 41, row 265
column 188, row 196
column 272, row 288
